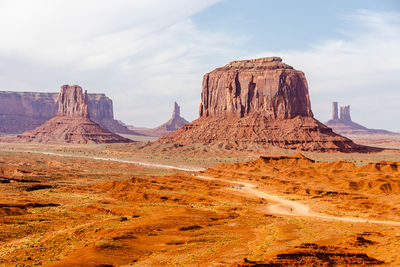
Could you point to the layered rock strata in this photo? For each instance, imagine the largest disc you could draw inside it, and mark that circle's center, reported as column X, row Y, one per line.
column 23, row 111
column 264, row 85
column 72, row 123
column 261, row 101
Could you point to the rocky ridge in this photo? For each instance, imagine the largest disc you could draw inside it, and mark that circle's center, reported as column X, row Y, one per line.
column 261, row 101
column 72, row 123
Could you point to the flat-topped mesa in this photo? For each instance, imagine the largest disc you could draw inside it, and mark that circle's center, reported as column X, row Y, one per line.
column 264, row 63
column 72, row 102
column 264, row 85
column 255, row 104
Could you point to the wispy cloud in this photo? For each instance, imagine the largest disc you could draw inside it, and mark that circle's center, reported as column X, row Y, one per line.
column 143, row 54
column 361, row 69
column 146, row 54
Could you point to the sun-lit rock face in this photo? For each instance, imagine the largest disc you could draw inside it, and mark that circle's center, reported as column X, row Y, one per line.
column 72, row 123
column 262, row 102
column 73, row 102
column 264, row 85
column 24, row 111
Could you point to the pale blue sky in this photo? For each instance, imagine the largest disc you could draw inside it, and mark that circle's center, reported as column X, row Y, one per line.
column 289, row 24
column 147, row 54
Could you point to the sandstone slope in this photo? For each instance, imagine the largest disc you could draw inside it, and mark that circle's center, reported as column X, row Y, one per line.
column 72, row 123
column 261, row 101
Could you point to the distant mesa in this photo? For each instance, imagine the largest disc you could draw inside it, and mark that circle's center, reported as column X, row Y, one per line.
column 24, row 111
column 72, row 123
column 344, row 125
column 261, row 101
column 171, row 125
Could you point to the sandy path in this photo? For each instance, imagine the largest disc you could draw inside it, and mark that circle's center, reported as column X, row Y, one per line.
column 279, row 206
column 141, row 163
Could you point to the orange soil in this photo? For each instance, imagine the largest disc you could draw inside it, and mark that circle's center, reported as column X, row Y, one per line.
column 100, row 213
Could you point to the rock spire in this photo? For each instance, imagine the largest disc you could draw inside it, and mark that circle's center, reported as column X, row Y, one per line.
column 72, row 123
column 72, row 102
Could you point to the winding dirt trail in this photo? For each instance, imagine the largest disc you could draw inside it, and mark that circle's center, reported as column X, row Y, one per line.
column 141, row 163
column 279, row 205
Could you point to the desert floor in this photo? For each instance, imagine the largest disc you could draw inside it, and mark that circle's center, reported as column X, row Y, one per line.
column 122, row 205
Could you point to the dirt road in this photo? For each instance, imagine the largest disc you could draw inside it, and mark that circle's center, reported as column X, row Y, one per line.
column 279, row 205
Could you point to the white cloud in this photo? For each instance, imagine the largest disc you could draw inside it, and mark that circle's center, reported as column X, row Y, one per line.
column 361, row 70
column 147, row 54
column 58, row 32
column 143, row 54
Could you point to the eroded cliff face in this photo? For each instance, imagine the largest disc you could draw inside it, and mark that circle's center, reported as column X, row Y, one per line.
column 101, row 107
column 23, row 111
column 263, row 85
column 73, row 102
column 258, row 102
column 72, row 123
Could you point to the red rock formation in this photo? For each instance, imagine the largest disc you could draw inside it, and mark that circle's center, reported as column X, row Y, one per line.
column 261, row 101
column 171, row 125
column 345, row 126
column 72, row 103
column 24, row 111
column 263, row 85
column 20, row 112
column 72, row 123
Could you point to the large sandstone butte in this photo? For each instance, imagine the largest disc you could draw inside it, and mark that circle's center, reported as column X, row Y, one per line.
column 344, row 124
column 24, row 111
column 171, row 125
column 261, row 101
column 72, row 123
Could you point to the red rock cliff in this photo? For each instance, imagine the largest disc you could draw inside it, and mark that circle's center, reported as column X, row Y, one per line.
column 72, row 123
column 263, row 85
column 73, row 102
column 23, row 111
column 257, row 103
